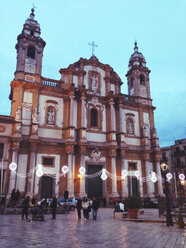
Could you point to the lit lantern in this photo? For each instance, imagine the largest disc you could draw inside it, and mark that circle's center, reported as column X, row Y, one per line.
column 82, row 170
column 64, row 169
column 13, row 166
column 39, row 171
column 153, row 177
column 103, row 175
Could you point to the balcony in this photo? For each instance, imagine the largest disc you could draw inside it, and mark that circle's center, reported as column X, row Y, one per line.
column 51, row 83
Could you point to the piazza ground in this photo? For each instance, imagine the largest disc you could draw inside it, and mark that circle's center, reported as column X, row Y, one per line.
column 67, row 232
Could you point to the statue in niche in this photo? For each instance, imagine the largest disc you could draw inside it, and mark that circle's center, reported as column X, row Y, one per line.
column 50, row 116
column 94, row 82
column 130, row 126
column 145, row 130
column 18, row 114
column 35, row 116
column 18, row 127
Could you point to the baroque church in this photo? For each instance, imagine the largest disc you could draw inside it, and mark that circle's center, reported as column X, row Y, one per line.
column 80, row 121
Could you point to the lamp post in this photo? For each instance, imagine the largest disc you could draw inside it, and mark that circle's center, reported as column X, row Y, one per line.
column 169, row 221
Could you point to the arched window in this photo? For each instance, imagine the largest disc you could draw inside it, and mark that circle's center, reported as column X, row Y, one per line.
column 50, row 118
column 94, row 117
column 142, row 79
column 31, row 52
column 130, row 126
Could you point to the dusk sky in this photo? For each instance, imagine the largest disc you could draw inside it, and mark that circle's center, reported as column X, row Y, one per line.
column 67, row 26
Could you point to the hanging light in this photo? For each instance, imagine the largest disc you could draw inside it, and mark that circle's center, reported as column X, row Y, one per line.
column 39, row 171
column 153, row 177
column 124, row 173
column 182, row 182
column 169, row 176
column 82, row 170
column 13, row 166
column 103, row 175
column 64, row 169
column 182, row 177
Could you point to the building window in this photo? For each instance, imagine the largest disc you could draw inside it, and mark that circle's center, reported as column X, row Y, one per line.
column 1, row 150
column 48, row 161
column 132, row 166
column 31, row 52
column 142, row 79
column 94, row 117
column 130, row 126
column 50, row 115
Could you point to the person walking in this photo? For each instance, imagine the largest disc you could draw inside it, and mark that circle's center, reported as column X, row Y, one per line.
column 95, row 206
column 17, row 196
column 79, row 207
column 54, row 206
column 25, row 206
column 85, row 206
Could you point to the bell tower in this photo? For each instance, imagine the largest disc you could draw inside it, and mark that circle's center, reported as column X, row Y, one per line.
column 138, row 75
column 29, row 49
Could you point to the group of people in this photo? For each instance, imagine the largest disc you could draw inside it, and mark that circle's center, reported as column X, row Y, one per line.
column 87, row 205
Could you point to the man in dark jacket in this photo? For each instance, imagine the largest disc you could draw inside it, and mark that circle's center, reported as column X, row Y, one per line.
column 79, row 207
column 95, row 206
column 54, row 206
column 25, row 206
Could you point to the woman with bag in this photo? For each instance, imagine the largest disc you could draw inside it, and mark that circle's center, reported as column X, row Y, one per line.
column 85, row 206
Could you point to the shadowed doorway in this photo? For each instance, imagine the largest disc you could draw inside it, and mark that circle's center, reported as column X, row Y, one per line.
column 46, row 187
column 94, row 185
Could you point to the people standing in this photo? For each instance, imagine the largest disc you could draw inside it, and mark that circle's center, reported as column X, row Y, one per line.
column 25, row 206
column 79, row 207
column 95, row 206
column 85, row 206
column 54, row 206
column 17, row 196
column 13, row 198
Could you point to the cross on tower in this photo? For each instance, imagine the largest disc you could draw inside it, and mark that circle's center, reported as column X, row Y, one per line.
column 33, row 8
column 93, row 45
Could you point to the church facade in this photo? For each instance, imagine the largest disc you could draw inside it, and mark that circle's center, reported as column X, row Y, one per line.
column 81, row 121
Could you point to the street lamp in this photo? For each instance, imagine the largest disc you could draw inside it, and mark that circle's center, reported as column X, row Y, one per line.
column 169, row 221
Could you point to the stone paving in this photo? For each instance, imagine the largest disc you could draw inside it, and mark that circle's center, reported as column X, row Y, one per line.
column 68, row 232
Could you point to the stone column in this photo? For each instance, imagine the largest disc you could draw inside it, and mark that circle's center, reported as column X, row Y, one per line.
column 70, row 175
column 114, row 181
column 71, row 110
column 159, row 182
column 83, row 111
column 32, row 170
column 82, row 179
column 124, row 188
column 12, row 180
column 150, row 184
column 120, row 118
column 112, row 117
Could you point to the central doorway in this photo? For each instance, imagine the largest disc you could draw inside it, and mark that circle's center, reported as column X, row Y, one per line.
column 94, row 185
column 46, row 187
column 133, row 186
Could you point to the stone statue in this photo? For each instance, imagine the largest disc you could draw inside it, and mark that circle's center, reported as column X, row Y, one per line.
column 50, row 116
column 154, row 133
column 35, row 116
column 94, row 82
column 18, row 127
column 18, row 114
column 96, row 155
column 145, row 129
column 130, row 127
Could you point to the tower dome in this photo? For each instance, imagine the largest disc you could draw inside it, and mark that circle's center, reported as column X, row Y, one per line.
column 137, row 58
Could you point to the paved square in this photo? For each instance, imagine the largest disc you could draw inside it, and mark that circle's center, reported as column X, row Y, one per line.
column 67, row 232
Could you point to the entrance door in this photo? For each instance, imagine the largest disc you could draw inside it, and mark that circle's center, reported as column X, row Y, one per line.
column 133, row 186
column 46, row 187
column 94, row 185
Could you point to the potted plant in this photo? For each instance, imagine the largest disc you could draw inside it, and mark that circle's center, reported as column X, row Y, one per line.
column 180, row 221
column 133, row 204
